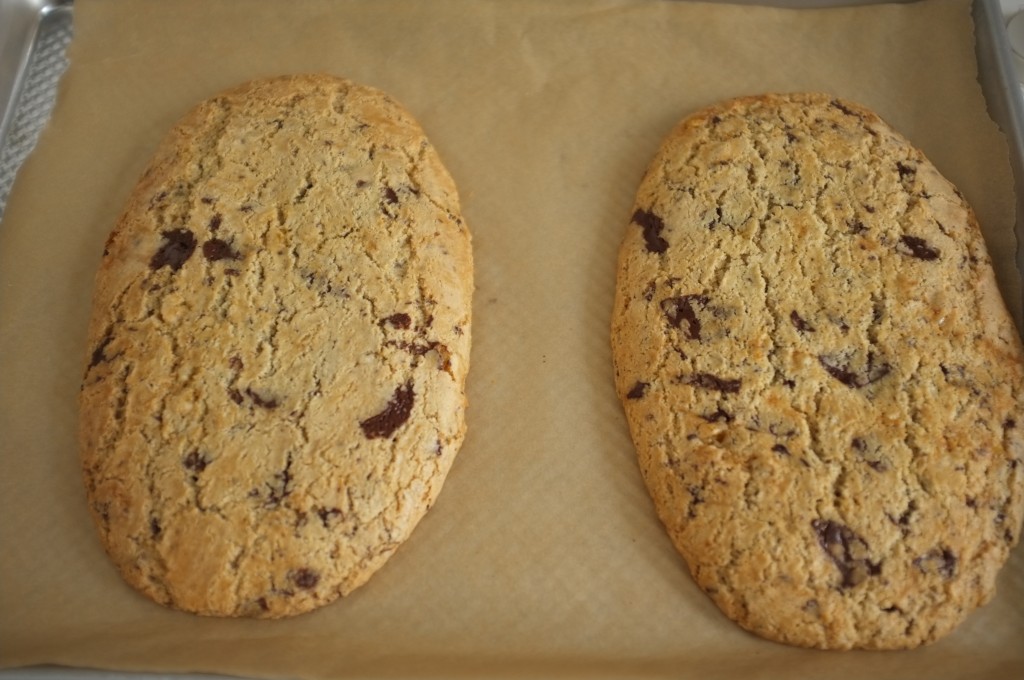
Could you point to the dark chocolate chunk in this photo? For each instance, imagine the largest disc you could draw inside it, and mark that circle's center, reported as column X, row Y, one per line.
column 680, row 309
column 780, row 449
column 708, row 381
column 696, row 498
column 847, row 550
column 177, row 247
column 652, row 226
column 649, row 291
column 390, row 196
column 718, row 416
column 235, row 395
column 841, row 374
column 393, row 416
column 196, row 462
column 217, row 249
column 857, row 227
column 215, row 222
column 301, row 196
column 871, row 372
column 99, row 354
column 799, row 323
column 305, row 578
column 919, row 248
column 906, row 171
column 940, row 560
column 417, row 349
column 399, row 320
column 717, row 220
column 638, row 391
column 259, row 400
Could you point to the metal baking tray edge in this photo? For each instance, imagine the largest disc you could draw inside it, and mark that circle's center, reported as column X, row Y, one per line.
column 22, row 23
column 24, row 26
column 1005, row 105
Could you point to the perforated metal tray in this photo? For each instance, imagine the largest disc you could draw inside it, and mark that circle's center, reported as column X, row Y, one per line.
column 33, row 37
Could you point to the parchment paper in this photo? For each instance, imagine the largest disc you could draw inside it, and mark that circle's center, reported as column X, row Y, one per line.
column 543, row 556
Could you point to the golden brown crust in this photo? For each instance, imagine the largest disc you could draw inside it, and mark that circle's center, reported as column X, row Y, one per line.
column 278, row 350
column 821, row 380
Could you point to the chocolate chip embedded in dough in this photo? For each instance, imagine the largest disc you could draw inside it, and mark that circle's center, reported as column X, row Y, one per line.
column 718, row 416
column 638, row 391
column 916, row 246
column 684, row 308
column 847, row 550
column 940, row 560
column 218, row 249
column 398, row 320
column 652, row 226
column 871, row 372
column 307, row 579
column 394, row 415
column 99, row 354
column 196, row 461
column 260, row 400
column 906, row 171
column 708, row 381
column 799, row 323
column 178, row 245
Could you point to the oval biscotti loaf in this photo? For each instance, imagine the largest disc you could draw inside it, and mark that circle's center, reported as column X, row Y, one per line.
column 820, row 377
column 278, row 350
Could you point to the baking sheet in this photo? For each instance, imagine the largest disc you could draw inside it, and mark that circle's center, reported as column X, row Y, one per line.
column 543, row 555
column 33, row 37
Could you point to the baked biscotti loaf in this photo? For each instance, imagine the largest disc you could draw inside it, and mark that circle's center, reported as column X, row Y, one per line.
column 275, row 382
column 820, row 377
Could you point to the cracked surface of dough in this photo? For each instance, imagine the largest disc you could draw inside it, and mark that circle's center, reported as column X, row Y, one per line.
column 821, row 380
column 278, row 350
